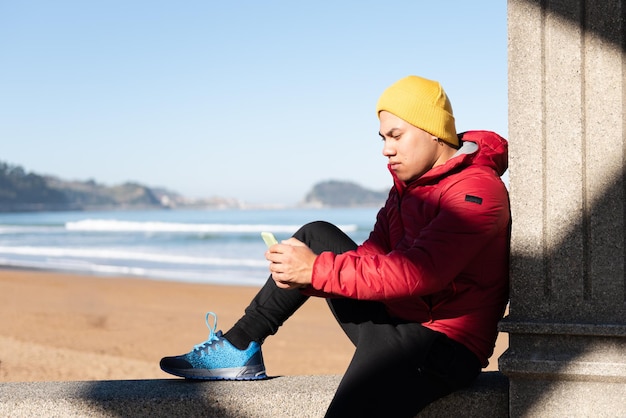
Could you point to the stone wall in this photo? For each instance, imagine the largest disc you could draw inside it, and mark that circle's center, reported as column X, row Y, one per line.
column 567, row 322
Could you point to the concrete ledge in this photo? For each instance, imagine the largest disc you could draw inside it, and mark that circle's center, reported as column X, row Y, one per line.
column 293, row 396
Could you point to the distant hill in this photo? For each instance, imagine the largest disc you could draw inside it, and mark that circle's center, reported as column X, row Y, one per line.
column 89, row 194
column 335, row 193
column 21, row 191
column 27, row 191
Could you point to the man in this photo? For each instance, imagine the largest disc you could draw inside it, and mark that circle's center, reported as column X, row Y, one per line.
column 421, row 297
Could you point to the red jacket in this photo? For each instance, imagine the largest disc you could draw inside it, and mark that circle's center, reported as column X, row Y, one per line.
column 439, row 252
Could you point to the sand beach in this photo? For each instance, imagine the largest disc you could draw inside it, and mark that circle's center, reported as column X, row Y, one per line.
column 60, row 327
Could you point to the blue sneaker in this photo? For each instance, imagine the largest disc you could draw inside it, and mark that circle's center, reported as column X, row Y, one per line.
column 217, row 359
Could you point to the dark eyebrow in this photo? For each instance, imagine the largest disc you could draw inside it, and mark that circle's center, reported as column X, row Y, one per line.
column 389, row 133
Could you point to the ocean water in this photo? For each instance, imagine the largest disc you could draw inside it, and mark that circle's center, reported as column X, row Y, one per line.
column 202, row 246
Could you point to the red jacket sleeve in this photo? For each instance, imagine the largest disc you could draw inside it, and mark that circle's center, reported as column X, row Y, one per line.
column 471, row 211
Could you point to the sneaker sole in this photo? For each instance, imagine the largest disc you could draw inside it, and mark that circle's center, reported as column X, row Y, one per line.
column 234, row 373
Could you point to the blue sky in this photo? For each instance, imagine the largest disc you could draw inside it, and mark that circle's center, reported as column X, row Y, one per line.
column 245, row 99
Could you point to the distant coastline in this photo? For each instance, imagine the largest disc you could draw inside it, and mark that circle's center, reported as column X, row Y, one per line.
column 22, row 191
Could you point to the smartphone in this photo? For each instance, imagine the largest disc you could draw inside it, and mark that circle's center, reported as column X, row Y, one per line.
column 269, row 238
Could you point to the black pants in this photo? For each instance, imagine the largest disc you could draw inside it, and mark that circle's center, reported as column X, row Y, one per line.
column 398, row 367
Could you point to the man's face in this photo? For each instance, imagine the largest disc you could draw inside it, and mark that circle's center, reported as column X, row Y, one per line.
column 411, row 151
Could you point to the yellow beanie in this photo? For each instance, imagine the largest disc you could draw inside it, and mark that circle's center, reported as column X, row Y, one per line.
column 422, row 103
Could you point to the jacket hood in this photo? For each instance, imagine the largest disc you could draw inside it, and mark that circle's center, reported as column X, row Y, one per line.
column 491, row 150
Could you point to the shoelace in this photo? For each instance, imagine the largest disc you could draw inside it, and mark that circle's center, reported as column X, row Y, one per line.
column 212, row 336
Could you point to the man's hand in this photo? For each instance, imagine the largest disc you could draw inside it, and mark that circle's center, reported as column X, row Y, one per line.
column 291, row 263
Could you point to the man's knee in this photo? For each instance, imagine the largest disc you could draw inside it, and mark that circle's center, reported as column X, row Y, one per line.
column 323, row 236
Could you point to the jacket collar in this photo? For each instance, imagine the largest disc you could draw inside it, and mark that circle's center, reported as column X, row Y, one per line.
column 483, row 148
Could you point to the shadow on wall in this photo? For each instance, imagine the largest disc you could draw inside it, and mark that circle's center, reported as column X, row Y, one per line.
column 585, row 271
column 154, row 398
column 551, row 331
column 604, row 19
column 575, row 293
column 185, row 398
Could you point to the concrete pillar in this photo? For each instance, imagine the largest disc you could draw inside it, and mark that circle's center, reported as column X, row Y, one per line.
column 567, row 321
